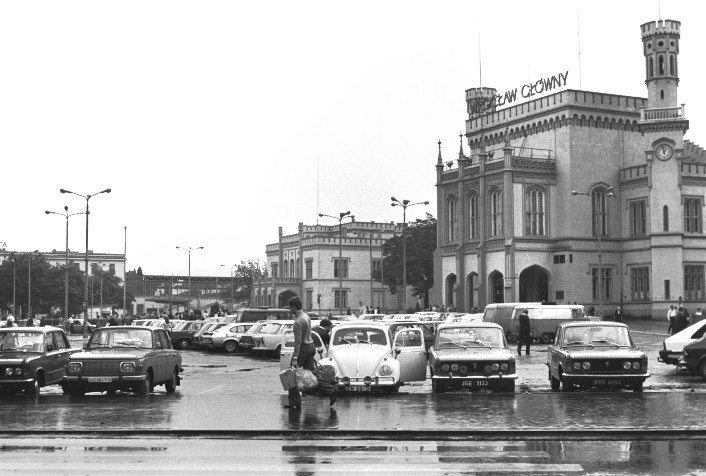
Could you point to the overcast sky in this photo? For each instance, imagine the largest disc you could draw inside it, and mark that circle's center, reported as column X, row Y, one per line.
column 210, row 119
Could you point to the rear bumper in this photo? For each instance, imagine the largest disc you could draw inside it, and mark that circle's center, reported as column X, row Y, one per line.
column 669, row 357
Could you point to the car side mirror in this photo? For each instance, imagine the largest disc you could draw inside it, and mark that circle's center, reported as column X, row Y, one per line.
column 398, row 351
column 320, row 350
column 158, row 345
column 50, row 348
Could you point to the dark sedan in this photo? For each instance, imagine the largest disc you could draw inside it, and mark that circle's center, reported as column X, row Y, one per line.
column 131, row 358
column 595, row 354
column 32, row 358
column 693, row 358
column 472, row 355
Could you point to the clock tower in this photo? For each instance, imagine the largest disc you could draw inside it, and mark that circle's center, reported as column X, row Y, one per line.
column 663, row 125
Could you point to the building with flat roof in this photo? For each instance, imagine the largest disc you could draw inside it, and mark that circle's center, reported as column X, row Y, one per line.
column 576, row 196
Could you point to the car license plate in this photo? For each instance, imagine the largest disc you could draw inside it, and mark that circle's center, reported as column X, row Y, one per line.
column 360, row 389
column 474, row 383
column 100, row 379
column 607, row 381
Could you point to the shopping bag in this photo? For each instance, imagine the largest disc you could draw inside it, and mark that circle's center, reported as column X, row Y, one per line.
column 326, row 377
column 288, row 378
column 306, row 380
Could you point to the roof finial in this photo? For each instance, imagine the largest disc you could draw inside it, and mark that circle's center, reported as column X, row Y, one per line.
column 439, row 161
column 460, row 151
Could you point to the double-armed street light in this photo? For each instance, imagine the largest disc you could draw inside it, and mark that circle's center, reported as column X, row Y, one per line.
column 85, row 289
column 66, row 276
column 404, row 204
column 29, row 284
column 189, row 249
column 600, row 226
column 340, row 218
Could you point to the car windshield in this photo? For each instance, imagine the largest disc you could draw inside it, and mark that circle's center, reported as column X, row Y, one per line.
column 111, row 337
column 360, row 335
column 22, row 341
column 596, row 335
column 180, row 326
column 256, row 328
column 270, row 328
column 465, row 337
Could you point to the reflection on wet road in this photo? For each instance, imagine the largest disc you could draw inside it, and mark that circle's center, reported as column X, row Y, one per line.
column 301, row 456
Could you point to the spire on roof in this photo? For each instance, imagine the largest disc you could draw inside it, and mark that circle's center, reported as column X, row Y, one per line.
column 439, row 161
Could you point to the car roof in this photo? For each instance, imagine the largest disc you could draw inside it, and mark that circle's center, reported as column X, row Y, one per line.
column 593, row 324
column 477, row 324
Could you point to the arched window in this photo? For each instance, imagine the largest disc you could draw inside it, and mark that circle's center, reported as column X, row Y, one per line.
column 671, row 65
column 298, row 264
column 650, row 67
column 452, row 219
column 534, row 212
column 665, row 218
column 292, row 269
column 496, row 212
column 599, row 211
column 661, row 65
column 473, row 222
column 285, row 269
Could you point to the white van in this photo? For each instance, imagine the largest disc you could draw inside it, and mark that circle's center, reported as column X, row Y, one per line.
column 544, row 319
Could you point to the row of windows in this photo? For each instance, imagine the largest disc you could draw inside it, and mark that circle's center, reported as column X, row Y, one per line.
column 340, row 268
column 535, row 217
column 694, row 284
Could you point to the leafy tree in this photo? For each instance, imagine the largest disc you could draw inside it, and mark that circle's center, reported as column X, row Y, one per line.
column 112, row 290
column 420, row 244
column 243, row 277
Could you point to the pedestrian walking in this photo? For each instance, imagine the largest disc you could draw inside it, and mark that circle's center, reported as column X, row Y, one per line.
column 698, row 316
column 680, row 321
column 671, row 316
column 525, row 334
column 304, row 349
column 618, row 317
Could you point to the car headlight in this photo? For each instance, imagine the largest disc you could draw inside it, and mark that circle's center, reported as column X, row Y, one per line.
column 488, row 368
column 454, row 367
column 385, row 370
column 445, row 367
column 18, row 371
column 627, row 365
column 504, row 367
column 577, row 365
column 586, row 365
column 463, row 369
column 8, row 371
column 127, row 366
column 495, row 367
column 75, row 367
column 636, row 365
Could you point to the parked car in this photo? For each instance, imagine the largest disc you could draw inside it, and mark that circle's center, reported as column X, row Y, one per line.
column 365, row 358
column 227, row 338
column 203, row 339
column 32, row 358
column 371, row 317
column 247, row 341
column 183, row 333
column 268, row 340
column 124, row 358
column 501, row 314
column 428, row 329
column 263, row 314
column 76, row 325
column 694, row 358
column 674, row 345
column 287, row 348
column 544, row 320
column 595, row 354
column 471, row 355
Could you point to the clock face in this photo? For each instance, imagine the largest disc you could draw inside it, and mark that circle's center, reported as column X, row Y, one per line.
column 664, row 152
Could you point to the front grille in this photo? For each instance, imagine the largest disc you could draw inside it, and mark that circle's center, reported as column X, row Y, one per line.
column 609, row 366
column 476, row 368
column 101, row 368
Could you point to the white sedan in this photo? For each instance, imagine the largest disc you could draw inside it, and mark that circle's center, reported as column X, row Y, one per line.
column 674, row 345
column 366, row 359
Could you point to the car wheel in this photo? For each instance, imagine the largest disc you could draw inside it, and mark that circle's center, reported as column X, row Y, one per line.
column 547, row 338
column 637, row 387
column 171, row 384
column 230, row 346
column 183, row 344
column 65, row 389
column 436, row 387
column 277, row 351
column 566, row 386
column 145, row 387
column 702, row 370
column 556, row 384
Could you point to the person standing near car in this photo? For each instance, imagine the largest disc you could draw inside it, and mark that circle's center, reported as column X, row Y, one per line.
column 304, row 348
column 324, row 331
column 680, row 321
column 671, row 317
column 525, row 335
column 10, row 322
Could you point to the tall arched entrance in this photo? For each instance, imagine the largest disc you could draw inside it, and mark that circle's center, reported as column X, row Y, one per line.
column 450, row 290
column 497, row 287
column 534, row 284
column 283, row 297
column 472, row 284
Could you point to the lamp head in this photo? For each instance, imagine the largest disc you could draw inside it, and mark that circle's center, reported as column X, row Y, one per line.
column 107, row 190
column 426, row 203
column 66, row 208
column 321, row 214
column 63, row 191
column 47, row 212
column 405, row 202
column 394, row 199
column 574, row 192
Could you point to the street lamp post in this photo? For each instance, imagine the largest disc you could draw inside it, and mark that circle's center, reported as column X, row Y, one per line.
column 85, row 289
column 29, row 284
column 600, row 228
column 189, row 249
column 66, row 275
column 232, row 292
column 340, row 218
column 404, row 204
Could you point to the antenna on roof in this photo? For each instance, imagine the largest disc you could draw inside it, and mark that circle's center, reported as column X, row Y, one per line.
column 578, row 31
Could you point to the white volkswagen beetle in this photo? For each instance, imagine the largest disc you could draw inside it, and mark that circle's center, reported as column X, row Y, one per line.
column 366, row 358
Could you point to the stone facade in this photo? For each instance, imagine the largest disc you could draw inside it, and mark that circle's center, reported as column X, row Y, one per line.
column 577, row 196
